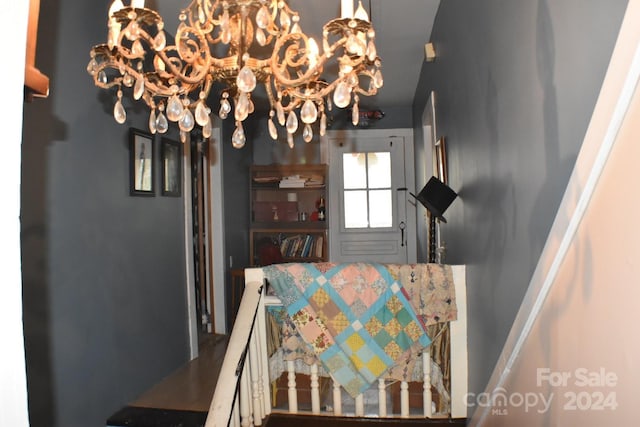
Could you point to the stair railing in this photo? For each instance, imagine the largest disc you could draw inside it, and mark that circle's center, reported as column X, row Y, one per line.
column 241, row 397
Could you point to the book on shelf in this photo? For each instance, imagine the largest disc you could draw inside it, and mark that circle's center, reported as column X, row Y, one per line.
column 302, row 246
column 292, row 181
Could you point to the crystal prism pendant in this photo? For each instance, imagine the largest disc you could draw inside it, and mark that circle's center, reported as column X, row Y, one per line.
column 119, row 113
column 91, row 66
column 225, row 106
column 307, row 133
column 246, row 80
column 158, row 63
column 102, row 77
column 127, row 80
column 323, row 125
column 263, row 17
column 136, row 49
column 226, row 36
column 242, row 107
column 138, row 89
column 372, row 53
column 207, row 128
column 202, row 113
column 290, row 140
column 238, row 139
column 260, row 37
column 308, row 112
column 160, row 40
column 355, row 114
column 162, row 125
column 280, row 113
column 186, row 122
column 342, row 95
column 292, row 122
column 352, row 44
column 174, row 108
column 377, row 79
column 273, row 132
column 183, row 136
column 152, row 121
column 285, row 21
column 201, row 15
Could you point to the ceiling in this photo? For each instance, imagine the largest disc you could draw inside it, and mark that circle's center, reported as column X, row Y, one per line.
column 402, row 29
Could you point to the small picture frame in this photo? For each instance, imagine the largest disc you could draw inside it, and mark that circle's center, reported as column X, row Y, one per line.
column 171, row 152
column 141, row 160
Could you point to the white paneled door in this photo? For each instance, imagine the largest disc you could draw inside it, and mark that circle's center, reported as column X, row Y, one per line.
column 371, row 216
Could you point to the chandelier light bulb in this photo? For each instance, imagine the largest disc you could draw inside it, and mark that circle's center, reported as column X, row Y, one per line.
column 361, row 13
column 346, row 9
column 115, row 6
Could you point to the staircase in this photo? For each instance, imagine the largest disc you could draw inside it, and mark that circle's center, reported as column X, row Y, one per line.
column 238, row 389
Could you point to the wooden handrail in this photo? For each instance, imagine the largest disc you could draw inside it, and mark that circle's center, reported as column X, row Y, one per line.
column 226, row 391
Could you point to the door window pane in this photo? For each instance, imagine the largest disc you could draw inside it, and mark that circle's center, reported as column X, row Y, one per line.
column 381, row 212
column 355, row 209
column 354, row 170
column 379, row 165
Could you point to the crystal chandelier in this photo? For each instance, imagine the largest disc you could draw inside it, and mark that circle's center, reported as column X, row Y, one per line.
column 215, row 43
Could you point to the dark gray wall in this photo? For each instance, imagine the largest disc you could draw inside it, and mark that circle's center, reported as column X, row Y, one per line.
column 516, row 84
column 103, row 273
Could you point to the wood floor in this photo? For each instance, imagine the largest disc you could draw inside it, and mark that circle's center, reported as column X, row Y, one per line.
column 190, row 388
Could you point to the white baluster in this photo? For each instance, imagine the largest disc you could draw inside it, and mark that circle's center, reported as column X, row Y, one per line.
column 426, row 383
column 360, row 405
column 293, row 393
column 382, row 398
column 337, row 399
column 245, row 398
column 255, row 376
column 315, row 389
column 404, row 399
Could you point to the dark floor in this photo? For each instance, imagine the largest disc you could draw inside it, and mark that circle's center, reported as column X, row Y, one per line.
column 286, row 420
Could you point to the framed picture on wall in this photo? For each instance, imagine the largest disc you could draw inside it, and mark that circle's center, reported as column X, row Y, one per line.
column 171, row 153
column 141, row 170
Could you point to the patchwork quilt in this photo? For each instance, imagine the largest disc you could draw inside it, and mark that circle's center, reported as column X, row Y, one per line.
column 356, row 317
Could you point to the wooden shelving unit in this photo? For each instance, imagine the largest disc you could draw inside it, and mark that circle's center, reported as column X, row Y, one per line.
column 287, row 217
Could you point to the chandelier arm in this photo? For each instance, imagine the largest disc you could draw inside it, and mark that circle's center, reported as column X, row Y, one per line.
column 289, row 60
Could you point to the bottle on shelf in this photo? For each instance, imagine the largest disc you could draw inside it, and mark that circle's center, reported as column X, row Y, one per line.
column 322, row 213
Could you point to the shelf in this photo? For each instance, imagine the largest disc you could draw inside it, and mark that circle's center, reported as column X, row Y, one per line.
column 295, row 226
column 268, row 200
